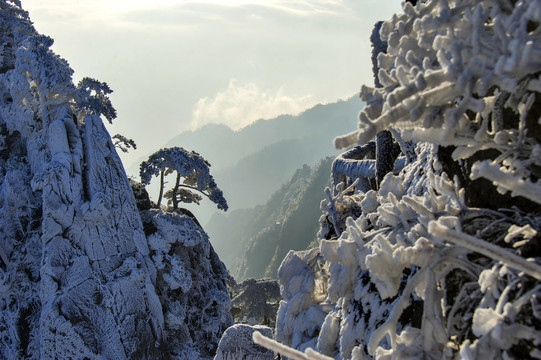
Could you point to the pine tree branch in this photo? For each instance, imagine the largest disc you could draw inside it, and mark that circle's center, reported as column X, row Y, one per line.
column 485, row 248
column 194, row 188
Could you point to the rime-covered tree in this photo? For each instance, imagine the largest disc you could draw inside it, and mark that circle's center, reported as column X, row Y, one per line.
column 441, row 259
column 123, row 143
column 192, row 173
column 92, row 96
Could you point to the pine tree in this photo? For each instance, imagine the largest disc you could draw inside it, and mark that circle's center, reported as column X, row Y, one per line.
column 192, row 173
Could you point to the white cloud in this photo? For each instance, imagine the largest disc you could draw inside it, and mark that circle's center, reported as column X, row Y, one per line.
column 241, row 104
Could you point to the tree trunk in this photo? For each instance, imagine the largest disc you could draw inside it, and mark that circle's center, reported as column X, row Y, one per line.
column 175, row 190
column 161, row 188
column 385, row 156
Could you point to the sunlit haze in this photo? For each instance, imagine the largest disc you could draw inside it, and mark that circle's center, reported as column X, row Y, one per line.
column 176, row 65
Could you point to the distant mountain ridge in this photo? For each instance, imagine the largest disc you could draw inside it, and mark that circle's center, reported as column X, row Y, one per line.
column 224, row 147
column 250, row 164
column 256, row 177
column 253, row 162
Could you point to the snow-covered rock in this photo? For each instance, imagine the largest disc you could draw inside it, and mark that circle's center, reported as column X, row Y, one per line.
column 78, row 276
column 191, row 283
column 237, row 344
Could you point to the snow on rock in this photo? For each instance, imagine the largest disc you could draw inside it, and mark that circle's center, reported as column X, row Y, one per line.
column 299, row 315
column 237, row 344
column 422, row 265
column 192, row 282
column 78, row 278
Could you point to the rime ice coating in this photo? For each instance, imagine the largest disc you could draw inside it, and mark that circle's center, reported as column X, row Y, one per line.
column 452, row 71
column 413, row 270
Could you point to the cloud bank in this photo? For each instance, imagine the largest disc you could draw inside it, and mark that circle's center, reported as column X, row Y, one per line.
column 243, row 103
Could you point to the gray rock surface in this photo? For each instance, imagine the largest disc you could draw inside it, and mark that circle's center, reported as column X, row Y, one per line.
column 237, row 344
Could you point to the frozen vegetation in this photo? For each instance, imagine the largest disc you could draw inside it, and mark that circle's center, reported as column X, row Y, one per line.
column 189, row 166
column 80, row 276
column 439, row 257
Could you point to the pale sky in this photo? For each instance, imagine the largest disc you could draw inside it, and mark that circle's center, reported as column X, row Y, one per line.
column 176, row 65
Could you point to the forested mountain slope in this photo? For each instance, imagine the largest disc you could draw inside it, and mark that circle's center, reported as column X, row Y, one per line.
column 254, row 179
column 254, row 241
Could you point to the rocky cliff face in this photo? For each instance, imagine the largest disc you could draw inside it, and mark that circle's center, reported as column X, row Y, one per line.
column 79, row 277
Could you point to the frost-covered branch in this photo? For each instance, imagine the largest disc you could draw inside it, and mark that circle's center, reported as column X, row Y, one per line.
column 358, row 162
column 182, row 195
column 506, row 181
column 275, row 346
column 123, row 143
column 93, row 98
column 483, row 247
column 461, row 74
